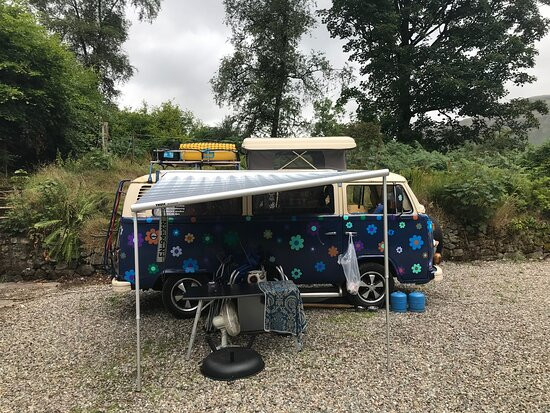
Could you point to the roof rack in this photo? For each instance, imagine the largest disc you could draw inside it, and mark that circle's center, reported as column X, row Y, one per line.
column 198, row 154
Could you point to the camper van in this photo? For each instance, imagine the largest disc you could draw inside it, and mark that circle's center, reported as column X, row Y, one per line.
column 301, row 232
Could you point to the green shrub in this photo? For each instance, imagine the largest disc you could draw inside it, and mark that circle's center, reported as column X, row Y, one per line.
column 472, row 193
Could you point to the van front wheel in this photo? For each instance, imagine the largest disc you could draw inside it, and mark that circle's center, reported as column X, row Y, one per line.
column 173, row 290
column 372, row 289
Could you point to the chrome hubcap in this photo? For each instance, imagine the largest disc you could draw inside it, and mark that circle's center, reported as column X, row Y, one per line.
column 179, row 289
column 371, row 287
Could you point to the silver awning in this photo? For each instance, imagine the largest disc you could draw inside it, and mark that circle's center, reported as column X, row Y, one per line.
column 190, row 187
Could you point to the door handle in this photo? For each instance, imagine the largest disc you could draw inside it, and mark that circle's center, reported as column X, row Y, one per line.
column 330, row 233
column 351, row 233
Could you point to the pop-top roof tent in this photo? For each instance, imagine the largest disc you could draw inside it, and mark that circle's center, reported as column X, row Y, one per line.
column 177, row 188
column 292, row 153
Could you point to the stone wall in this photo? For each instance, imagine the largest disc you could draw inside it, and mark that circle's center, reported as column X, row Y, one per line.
column 21, row 259
column 490, row 244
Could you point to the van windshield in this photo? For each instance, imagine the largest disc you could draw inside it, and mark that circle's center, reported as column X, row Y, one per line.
column 306, row 201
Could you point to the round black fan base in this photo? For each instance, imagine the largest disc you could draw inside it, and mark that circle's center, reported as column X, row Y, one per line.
column 232, row 363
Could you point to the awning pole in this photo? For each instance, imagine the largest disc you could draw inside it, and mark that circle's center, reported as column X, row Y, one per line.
column 138, row 310
column 386, row 271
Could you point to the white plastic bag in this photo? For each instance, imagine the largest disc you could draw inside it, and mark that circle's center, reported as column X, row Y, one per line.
column 348, row 261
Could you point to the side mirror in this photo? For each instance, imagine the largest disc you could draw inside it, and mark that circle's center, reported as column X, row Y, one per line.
column 398, row 191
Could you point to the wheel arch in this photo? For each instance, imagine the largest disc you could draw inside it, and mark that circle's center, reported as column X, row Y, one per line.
column 378, row 260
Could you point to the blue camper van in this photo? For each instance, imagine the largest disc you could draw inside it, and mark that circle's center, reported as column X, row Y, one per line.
column 301, row 232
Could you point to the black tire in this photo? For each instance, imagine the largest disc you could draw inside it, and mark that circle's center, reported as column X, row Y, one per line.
column 180, row 308
column 372, row 290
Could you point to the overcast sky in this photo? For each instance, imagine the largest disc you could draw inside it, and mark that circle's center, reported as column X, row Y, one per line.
column 176, row 56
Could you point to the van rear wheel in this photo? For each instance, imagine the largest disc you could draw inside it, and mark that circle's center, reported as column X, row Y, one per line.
column 173, row 290
column 372, row 289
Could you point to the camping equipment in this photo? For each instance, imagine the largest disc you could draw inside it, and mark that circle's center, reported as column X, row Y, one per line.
column 417, row 302
column 398, row 302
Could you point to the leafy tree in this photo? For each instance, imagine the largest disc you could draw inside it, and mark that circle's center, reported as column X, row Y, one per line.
column 448, row 57
column 95, row 31
column 151, row 127
column 327, row 119
column 267, row 78
column 48, row 101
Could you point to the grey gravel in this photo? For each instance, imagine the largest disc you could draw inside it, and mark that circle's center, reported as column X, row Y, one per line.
column 481, row 345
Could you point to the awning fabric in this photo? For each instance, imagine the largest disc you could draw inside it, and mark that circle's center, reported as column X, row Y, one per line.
column 190, row 187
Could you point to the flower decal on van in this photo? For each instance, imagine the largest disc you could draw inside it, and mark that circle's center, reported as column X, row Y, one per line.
column 391, row 232
column 152, row 236
column 399, row 250
column 430, row 225
column 207, row 239
column 416, row 242
column 333, row 251
column 268, row 234
column 153, row 268
column 381, row 246
column 296, row 242
column 176, row 232
column 176, row 251
column 371, row 229
column 419, row 226
column 231, row 238
column 190, row 265
column 296, row 273
column 416, row 268
column 349, row 225
column 313, row 228
column 189, row 238
column 130, row 275
column 359, row 246
column 131, row 240
column 320, row 266
column 402, row 225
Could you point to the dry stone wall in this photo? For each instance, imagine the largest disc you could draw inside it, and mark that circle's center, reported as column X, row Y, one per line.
column 22, row 259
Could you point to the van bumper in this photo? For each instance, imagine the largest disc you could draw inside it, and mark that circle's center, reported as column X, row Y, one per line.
column 120, row 286
column 438, row 275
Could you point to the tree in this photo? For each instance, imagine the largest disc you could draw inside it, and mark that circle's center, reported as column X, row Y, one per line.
column 267, row 78
column 327, row 118
column 48, row 101
column 452, row 58
column 95, row 31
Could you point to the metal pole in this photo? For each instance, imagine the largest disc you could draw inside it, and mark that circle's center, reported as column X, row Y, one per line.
column 194, row 329
column 386, row 271
column 138, row 310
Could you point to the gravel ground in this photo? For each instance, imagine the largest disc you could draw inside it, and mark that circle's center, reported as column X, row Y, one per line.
column 481, row 345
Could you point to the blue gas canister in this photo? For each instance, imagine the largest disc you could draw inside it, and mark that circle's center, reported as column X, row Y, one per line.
column 398, row 301
column 417, row 302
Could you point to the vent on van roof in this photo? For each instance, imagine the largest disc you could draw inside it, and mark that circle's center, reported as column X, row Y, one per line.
column 143, row 190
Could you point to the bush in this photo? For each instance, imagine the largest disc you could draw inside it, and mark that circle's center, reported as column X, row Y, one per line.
column 61, row 204
column 472, row 193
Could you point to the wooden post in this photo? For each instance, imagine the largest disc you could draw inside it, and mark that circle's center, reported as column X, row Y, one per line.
column 105, row 136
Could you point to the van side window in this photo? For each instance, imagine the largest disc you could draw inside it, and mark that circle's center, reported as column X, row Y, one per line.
column 407, row 206
column 316, row 200
column 225, row 207
column 367, row 199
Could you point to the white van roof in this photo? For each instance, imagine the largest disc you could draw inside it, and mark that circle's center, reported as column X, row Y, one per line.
column 327, row 142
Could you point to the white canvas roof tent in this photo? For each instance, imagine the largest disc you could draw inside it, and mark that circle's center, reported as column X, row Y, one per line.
column 315, row 153
column 176, row 188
